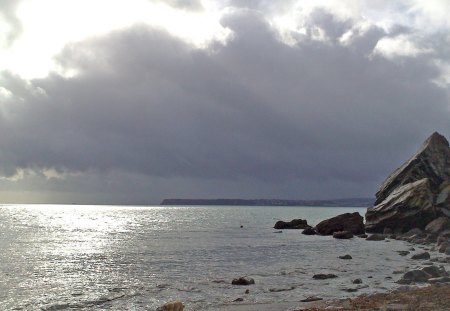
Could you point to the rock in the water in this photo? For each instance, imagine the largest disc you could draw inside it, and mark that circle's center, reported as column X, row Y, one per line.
column 357, row 281
column 309, row 231
column 441, row 279
column 342, row 235
column 424, row 255
column 375, row 237
column 408, row 206
column 431, row 161
column 346, row 257
column 414, row 276
column 322, row 276
column 362, row 236
column 434, row 271
column 352, row 222
column 438, row 225
column 293, row 224
column 243, row 281
column 311, row 298
column 403, row 253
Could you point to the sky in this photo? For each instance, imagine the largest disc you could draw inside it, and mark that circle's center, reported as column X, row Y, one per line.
column 134, row 101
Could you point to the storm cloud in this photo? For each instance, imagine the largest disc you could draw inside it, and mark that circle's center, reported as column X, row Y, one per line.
column 151, row 116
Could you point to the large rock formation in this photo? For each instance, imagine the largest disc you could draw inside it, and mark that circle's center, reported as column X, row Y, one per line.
column 351, row 222
column 416, row 193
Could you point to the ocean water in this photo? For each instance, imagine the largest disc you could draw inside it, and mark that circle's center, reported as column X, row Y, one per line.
column 70, row 257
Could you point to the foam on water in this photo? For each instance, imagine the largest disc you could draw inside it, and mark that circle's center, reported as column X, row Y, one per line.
column 63, row 257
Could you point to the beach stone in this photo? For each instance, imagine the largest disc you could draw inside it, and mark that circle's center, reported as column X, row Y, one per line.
column 434, row 271
column 322, row 276
column 441, row 279
column 346, row 257
column 309, row 231
column 414, row 276
column 293, row 224
column 438, row 225
column 423, row 255
column 352, row 222
column 243, row 281
column 357, row 281
column 375, row 237
column 342, row 235
column 172, row 306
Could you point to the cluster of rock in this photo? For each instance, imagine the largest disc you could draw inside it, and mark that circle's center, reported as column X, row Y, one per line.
column 413, row 203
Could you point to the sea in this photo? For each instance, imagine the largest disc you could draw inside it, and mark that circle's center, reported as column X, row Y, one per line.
column 74, row 257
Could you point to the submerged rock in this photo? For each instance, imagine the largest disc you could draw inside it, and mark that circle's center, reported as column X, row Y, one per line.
column 293, row 224
column 375, row 237
column 351, row 222
column 416, row 193
column 342, row 235
column 309, row 231
column 243, row 281
column 322, row 276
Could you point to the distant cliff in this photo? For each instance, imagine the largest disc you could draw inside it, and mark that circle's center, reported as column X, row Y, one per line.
column 353, row 202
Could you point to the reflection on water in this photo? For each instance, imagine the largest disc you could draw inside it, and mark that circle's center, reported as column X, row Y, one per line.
column 65, row 257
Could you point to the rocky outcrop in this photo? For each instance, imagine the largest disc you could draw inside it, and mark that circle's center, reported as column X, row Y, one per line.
column 293, row 224
column 408, row 206
column 351, row 222
column 416, row 193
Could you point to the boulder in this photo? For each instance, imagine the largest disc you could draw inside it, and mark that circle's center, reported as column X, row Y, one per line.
column 309, row 231
column 424, row 255
column 435, row 272
column 293, row 224
column 342, row 235
column 438, row 225
column 431, row 161
column 414, row 276
column 352, row 222
column 243, row 281
column 407, row 207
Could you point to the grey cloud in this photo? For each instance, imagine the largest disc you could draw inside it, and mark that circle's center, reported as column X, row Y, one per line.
column 8, row 13
column 252, row 118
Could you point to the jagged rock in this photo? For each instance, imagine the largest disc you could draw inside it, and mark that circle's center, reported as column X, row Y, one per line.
column 408, row 206
column 416, row 193
column 352, row 222
column 431, row 161
column 424, row 255
column 375, row 237
column 342, row 235
column 309, row 231
column 438, row 225
column 243, row 281
column 293, row 224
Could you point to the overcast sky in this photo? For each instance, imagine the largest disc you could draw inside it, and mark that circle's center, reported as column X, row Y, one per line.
column 133, row 101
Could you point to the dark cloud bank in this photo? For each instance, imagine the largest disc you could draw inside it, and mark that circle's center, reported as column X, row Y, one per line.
column 150, row 117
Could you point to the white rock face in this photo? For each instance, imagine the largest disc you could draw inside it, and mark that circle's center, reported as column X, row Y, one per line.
column 417, row 192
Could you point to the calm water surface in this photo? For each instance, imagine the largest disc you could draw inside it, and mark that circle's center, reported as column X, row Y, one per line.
column 69, row 257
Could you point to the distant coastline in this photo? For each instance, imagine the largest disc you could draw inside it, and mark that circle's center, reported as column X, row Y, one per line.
column 351, row 202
